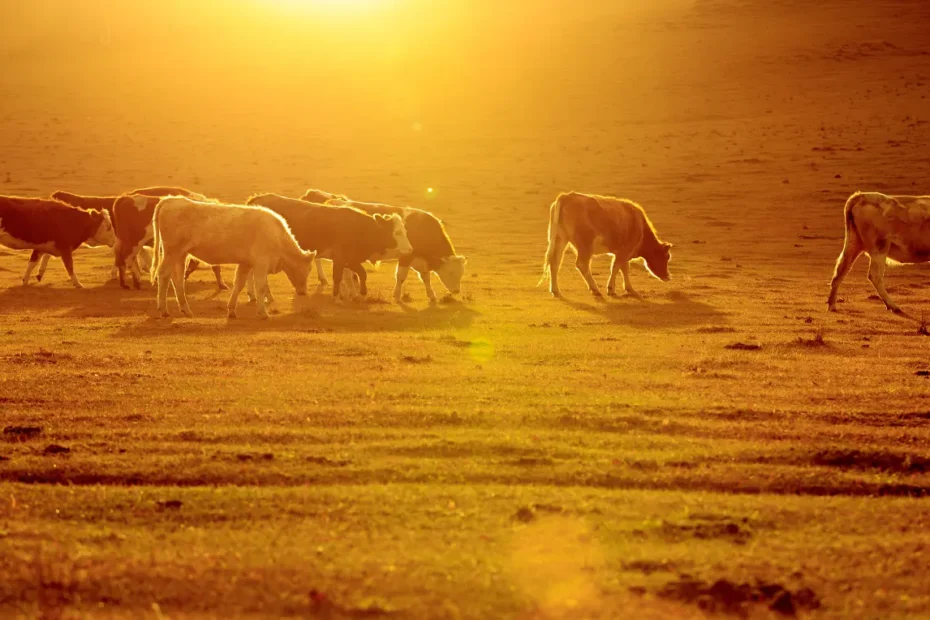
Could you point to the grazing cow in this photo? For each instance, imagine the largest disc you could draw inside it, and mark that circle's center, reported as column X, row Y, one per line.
column 255, row 239
column 345, row 235
column 602, row 225
column 895, row 228
column 432, row 249
column 133, row 219
column 52, row 227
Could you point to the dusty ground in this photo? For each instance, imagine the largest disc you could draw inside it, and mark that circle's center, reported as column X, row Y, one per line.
column 504, row 455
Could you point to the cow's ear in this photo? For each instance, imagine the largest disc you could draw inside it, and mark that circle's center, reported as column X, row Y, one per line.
column 668, row 246
column 379, row 217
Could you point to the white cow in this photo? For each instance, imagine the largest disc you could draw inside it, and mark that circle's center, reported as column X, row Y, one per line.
column 895, row 228
column 255, row 239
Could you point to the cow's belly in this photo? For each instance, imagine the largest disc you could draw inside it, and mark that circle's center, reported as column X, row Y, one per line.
column 13, row 243
column 902, row 254
column 598, row 247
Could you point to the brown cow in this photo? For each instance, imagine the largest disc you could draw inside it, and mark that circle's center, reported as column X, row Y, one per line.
column 52, row 227
column 895, row 228
column 432, row 248
column 345, row 235
column 602, row 225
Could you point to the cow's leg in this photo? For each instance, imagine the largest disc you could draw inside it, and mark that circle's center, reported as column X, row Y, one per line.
column 67, row 259
column 163, row 278
column 243, row 277
column 338, row 266
column 612, row 280
column 427, row 283
column 554, row 262
column 192, row 266
column 136, row 271
column 34, row 259
column 144, row 256
column 583, row 264
column 319, row 272
column 851, row 251
column 260, row 274
column 218, row 274
column 42, row 267
column 177, row 280
column 877, row 278
column 627, row 283
column 359, row 270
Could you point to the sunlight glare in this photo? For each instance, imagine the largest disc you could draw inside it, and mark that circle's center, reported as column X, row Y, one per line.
column 329, row 6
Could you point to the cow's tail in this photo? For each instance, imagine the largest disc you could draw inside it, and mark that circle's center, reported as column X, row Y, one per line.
column 852, row 233
column 156, row 244
column 555, row 210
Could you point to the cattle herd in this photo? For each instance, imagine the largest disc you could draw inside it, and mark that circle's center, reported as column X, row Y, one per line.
column 272, row 233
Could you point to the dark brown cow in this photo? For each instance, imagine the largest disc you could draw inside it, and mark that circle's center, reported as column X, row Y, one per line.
column 602, row 225
column 345, row 235
column 133, row 217
column 432, row 248
column 52, row 227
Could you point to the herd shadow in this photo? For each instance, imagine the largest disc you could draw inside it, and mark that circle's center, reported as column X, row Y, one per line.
column 315, row 313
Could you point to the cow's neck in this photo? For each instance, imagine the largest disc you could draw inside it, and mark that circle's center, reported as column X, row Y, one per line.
column 650, row 244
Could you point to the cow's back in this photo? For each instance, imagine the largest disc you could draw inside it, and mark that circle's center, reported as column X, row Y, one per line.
column 43, row 220
column 425, row 232
column 316, row 226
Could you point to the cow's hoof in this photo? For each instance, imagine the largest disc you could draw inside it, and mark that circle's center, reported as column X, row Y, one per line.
column 231, row 314
column 78, row 286
column 222, row 287
column 263, row 316
column 137, row 286
column 831, row 307
column 556, row 294
column 38, row 278
column 324, row 282
column 164, row 314
column 898, row 311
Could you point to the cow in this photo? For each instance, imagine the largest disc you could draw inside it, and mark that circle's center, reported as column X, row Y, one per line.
column 345, row 235
column 133, row 219
column 595, row 224
column 52, row 227
column 432, row 250
column 255, row 239
column 887, row 228
column 318, row 196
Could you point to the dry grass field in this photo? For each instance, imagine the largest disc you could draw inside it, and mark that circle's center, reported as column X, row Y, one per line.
column 502, row 454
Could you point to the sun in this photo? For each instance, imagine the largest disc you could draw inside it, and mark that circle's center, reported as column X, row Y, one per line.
column 328, row 6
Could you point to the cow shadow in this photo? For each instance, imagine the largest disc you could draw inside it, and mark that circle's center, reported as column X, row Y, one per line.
column 312, row 314
column 672, row 309
column 107, row 300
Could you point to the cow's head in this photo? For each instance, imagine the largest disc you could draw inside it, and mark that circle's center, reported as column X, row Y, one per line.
column 657, row 261
column 298, row 271
column 103, row 233
column 451, row 270
column 394, row 233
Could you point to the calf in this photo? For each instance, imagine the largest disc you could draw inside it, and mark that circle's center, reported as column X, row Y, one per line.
column 133, row 219
column 432, row 250
column 895, row 228
column 602, row 225
column 346, row 235
column 52, row 227
column 256, row 239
